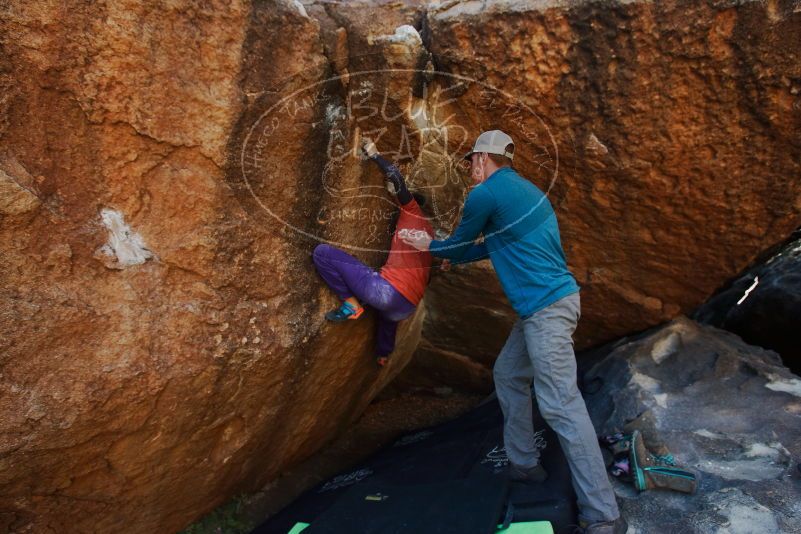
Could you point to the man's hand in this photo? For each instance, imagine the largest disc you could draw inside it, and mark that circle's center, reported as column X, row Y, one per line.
column 368, row 147
column 418, row 239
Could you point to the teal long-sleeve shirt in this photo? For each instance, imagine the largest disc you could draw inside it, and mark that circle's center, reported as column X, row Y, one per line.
column 521, row 238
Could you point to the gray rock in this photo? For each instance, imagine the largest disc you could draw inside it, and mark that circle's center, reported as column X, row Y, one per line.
column 763, row 304
column 724, row 408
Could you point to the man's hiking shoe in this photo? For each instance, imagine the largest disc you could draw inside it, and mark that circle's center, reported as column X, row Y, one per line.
column 650, row 471
column 346, row 312
column 532, row 474
column 618, row 526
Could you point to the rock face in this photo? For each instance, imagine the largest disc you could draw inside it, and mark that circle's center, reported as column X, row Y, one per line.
column 467, row 321
column 763, row 305
column 673, row 159
column 166, row 170
column 720, row 406
column 162, row 343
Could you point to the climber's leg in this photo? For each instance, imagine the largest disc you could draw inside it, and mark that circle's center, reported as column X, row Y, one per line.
column 348, row 278
column 393, row 308
column 343, row 273
column 549, row 341
column 385, row 338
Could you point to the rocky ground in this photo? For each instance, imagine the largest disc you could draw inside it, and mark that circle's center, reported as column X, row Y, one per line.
column 727, row 409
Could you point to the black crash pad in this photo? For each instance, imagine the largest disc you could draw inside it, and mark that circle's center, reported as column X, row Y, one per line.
column 450, row 478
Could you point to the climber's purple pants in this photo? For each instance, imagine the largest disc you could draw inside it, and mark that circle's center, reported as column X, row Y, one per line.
column 348, row 277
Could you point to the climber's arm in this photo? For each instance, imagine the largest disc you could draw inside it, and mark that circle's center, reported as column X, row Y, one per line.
column 461, row 244
column 392, row 173
column 395, row 177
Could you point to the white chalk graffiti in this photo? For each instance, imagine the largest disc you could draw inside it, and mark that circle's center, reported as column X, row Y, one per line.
column 342, row 481
column 418, row 132
column 498, row 458
column 413, row 438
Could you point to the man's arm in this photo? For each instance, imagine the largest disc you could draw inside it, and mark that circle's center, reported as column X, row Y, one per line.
column 477, row 210
column 474, row 253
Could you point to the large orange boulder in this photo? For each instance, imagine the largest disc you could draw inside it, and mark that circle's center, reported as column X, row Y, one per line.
column 665, row 133
column 162, row 342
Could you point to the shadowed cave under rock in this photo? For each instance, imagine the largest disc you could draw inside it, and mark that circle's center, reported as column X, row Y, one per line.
column 763, row 304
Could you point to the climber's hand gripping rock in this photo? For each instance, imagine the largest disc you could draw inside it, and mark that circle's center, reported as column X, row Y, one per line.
column 368, row 148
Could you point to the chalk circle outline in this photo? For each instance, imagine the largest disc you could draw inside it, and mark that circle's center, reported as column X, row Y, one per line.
column 353, row 75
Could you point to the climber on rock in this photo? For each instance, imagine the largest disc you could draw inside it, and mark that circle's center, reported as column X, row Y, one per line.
column 521, row 237
column 397, row 288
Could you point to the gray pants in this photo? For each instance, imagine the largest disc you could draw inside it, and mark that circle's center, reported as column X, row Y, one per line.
column 541, row 348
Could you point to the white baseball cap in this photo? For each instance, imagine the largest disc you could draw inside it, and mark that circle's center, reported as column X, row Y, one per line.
column 492, row 142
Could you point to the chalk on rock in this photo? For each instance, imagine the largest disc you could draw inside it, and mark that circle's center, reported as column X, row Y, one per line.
column 405, row 34
column 125, row 247
column 300, row 8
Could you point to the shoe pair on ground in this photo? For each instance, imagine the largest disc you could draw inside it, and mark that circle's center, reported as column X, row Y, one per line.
column 649, row 471
column 351, row 312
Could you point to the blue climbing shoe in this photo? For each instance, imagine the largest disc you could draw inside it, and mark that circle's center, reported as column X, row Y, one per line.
column 346, row 312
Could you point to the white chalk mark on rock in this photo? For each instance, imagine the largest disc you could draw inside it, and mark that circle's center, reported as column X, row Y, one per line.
column 756, row 469
column 746, row 516
column 748, row 291
column 786, row 385
column 334, row 113
column 124, row 246
column 403, row 35
column 774, row 450
column 667, row 346
column 300, row 8
column 645, row 382
column 704, row 433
